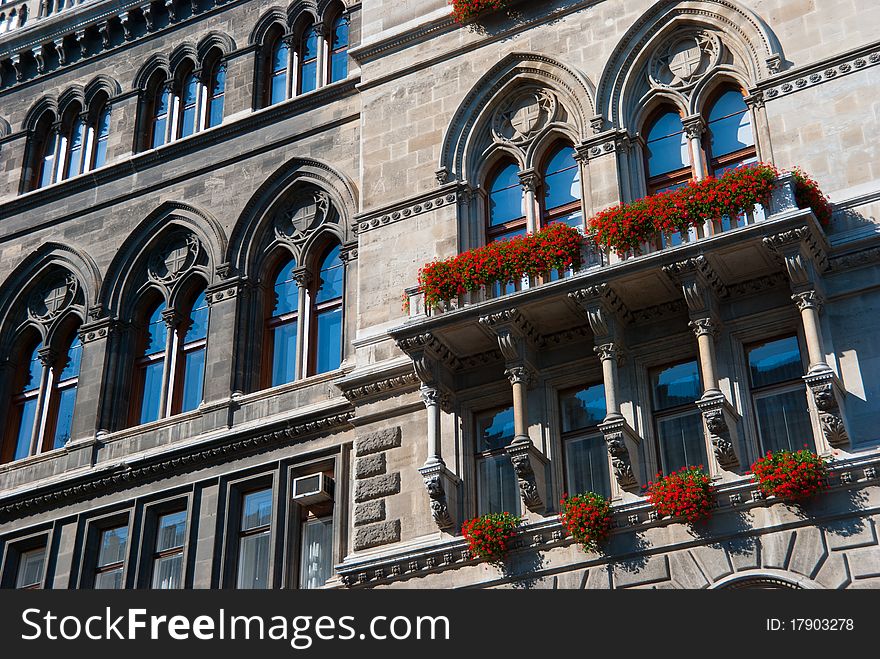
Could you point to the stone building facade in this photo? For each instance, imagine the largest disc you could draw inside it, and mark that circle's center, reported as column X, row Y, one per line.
column 211, row 213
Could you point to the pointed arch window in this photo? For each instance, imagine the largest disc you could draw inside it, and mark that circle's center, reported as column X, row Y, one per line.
column 730, row 142
column 63, row 396
column 506, row 215
column 160, row 120
column 25, row 405
column 328, row 312
column 101, row 136
column 278, row 69
column 150, row 366
column 339, row 49
column 562, row 189
column 307, row 75
column 216, row 96
column 193, row 347
column 283, row 325
column 667, row 154
column 188, row 105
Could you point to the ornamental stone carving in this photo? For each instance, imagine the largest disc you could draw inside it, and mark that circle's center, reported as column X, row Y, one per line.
column 174, row 259
column 52, row 299
column 525, row 475
column 620, row 461
column 439, row 504
column 828, row 399
column 683, row 60
column 523, row 116
column 305, row 215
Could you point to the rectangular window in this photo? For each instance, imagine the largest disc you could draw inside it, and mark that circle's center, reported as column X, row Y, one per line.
column 678, row 422
column 168, row 555
column 31, row 566
column 316, row 552
column 779, row 395
column 109, row 572
column 586, row 457
column 497, row 488
column 255, row 534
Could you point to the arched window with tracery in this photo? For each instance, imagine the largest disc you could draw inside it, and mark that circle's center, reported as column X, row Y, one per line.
column 562, row 189
column 150, row 366
column 327, row 338
column 339, row 40
column 25, row 403
column 307, row 61
column 283, row 325
column 506, row 217
column 277, row 69
column 730, row 141
column 63, row 398
column 667, row 158
column 190, row 386
column 216, row 89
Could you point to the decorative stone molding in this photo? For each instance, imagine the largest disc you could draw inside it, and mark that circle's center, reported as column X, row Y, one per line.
column 529, row 466
column 441, row 197
column 819, row 72
column 700, row 285
column 402, row 382
column 442, row 487
column 684, row 59
column 602, row 144
column 808, row 300
column 175, row 259
column 603, row 308
column 704, row 327
column 720, row 421
column 623, row 446
column 803, row 254
column 96, row 330
column 522, row 117
column 828, row 396
column 53, row 299
column 611, row 351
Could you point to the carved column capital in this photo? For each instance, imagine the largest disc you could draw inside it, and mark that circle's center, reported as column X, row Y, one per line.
column 519, row 375
column 694, row 126
column 528, row 179
column 612, row 351
column 172, row 318
column 47, row 356
column 704, row 327
column 808, row 300
column 302, row 276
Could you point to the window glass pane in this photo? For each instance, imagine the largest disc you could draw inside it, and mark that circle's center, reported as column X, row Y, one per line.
column 63, row 425
column 340, row 33
column 113, row 544
column 667, row 146
column 562, row 183
column 505, row 196
column 495, row 430
column 100, row 153
column 316, row 562
column 775, row 361
column 310, row 45
column 253, row 561
column 198, row 328
column 110, row 580
column 308, row 77
column 25, row 429
column 48, row 160
column 74, row 157
column 784, row 421
column 215, row 116
column 339, row 46
column 286, row 291
column 497, row 485
column 681, row 441
column 279, row 88
column 159, row 129
column 34, row 372
column 332, row 276
column 676, row 385
column 171, row 529
column 329, row 348
column 30, row 568
column 168, row 572
column 256, row 509
column 74, row 357
column 104, row 123
column 193, row 379
column 338, row 66
column 284, row 353
column 279, row 56
column 586, row 466
column 152, row 397
column 157, row 331
column 583, row 408
column 160, row 120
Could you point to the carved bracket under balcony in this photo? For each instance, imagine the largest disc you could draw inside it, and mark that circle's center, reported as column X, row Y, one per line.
column 529, row 466
column 516, row 336
column 701, row 286
column 623, row 449
column 430, row 356
column 803, row 252
column 828, row 395
column 720, row 423
column 604, row 310
column 442, row 487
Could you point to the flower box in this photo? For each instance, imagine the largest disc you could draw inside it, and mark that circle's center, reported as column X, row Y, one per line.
column 466, row 11
column 489, row 536
column 686, row 493
column 790, row 475
column 587, row 518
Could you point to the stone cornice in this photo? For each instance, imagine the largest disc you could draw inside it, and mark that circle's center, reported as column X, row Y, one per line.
column 176, row 460
column 815, row 73
column 734, row 497
column 406, row 208
column 390, row 379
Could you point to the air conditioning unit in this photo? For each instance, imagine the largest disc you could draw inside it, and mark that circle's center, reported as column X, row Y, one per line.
column 312, row 489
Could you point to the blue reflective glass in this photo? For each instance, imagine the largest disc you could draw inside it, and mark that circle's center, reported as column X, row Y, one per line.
column 256, row 510
column 152, row 396
column 667, row 145
column 159, row 128
column 775, row 361
column 279, row 56
column 25, row 429
column 279, row 88
column 332, row 276
column 160, row 117
column 784, row 421
column 583, row 409
column 190, row 92
column 339, row 58
column 338, row 66
column 104, row 123
column 157, row 331
column 193, row 379
column 215, row 116
column 308, row 77
column 340, row 33
column 100, row 153
column 48, row 160
column 497, row 486
column 505, row 196
column 586, row 466
column 286, row 291
column 729, row 124
column 75, row 149
column 562, row 183
column 495, row 431
column 310, row 45
column 284, row 353
column 676, row 385
column 64, row 422
column 34, row 371
column 681, row 441
column 74, row 358
column 198, row 328
column 329, row 348
column 170, row 534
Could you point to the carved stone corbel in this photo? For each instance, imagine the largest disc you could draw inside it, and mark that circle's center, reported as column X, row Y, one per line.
column 442, row 486
column 529, row 466
column 623, row 449
column 720, row 424
column 828, row 396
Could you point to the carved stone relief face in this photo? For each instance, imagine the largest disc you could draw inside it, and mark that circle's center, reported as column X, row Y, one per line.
column 524, row 115
column 682, row 60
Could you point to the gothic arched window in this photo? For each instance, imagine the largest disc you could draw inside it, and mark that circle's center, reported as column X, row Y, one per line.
column 328, row 312
column 283, row 325
column 150, row 367
column 63, row 396
column 216, row 95
column 730, row 141
column 506, row 217
column 189, row 115
column 192, row 359
column 278, row 70
column 307, row 61
column 562, row 189
column 339, row 36
column 24, row 405
column 667, row 157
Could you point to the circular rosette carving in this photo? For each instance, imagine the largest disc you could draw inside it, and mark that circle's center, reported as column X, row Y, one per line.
column 523, row 116
column 684, row 59
column 174, row 259
column 308, row 212
column 50, row 301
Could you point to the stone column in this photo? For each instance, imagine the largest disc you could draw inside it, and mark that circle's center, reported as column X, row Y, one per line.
column 763, row 145
column 528, row 178
column 694, row 126
column 48, row 358
column 303, row 277
column 527, row 461
column 172, row 319
column 441, row 484
column 220, row 358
